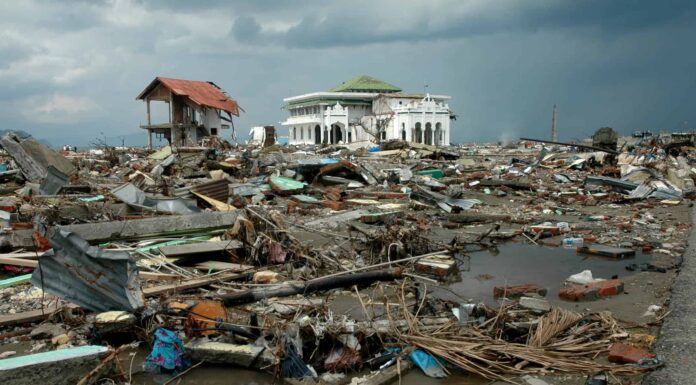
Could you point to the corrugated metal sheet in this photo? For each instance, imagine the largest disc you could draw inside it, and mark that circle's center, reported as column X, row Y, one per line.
column 93, row 278
column 54, row 181
column 205, row 94
column 135, row 197
column 217, row 189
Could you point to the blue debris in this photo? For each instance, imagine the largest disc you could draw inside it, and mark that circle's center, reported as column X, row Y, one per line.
column 427, row 363
column 168, row 353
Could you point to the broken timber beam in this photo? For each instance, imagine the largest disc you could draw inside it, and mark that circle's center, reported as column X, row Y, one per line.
column 189, row 284
column 466, row 217
column 25, row 317
column 513, row 184
column 607, row 150
column 166, row 225
column 315, row 285
column 25, row 262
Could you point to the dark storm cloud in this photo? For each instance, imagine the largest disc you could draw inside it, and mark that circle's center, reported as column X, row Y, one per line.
column 363, row 24
column 236, row 6
column 505, row 63
column 246, row 28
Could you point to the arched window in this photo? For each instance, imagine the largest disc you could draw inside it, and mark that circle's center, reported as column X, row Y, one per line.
column 294, row 133
column 438, row 134
column 403, row 131
column 428, row 133
column 419, row 134
column 301, row 133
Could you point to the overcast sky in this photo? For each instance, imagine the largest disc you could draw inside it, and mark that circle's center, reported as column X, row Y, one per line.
column 70, row 71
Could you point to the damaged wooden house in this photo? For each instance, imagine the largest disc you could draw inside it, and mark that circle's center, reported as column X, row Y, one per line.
column 196, row 109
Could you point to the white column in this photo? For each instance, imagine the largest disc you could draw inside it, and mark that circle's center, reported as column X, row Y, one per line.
column 446, row 127
column 328, row 124
column 432, row 133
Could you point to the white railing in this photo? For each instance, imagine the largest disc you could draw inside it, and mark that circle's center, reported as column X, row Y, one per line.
column 303, row 119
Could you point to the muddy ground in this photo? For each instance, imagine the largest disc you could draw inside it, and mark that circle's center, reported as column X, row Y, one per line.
column 516, row 261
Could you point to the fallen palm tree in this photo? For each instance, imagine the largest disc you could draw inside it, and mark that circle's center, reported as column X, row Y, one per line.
column 562, row 341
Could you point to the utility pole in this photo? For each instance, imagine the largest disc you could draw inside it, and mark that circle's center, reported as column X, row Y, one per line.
column 554, row 132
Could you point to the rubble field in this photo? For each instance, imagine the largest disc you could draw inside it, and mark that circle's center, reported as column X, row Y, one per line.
column 528, row 263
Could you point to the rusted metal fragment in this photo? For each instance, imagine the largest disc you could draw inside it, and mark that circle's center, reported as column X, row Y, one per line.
column 91, row 277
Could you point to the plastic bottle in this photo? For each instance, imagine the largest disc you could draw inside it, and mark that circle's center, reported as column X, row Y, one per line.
column 572, row 242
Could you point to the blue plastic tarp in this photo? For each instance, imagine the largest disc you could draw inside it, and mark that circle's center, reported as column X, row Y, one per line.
column 427, row 363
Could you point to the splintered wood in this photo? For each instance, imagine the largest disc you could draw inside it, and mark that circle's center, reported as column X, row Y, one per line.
column 562, row 342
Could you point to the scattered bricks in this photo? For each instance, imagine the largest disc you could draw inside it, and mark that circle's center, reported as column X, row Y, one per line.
column 292, row 206
column 388, row 218
column 339, row 166
column 622, row 353
column 553, row 230
column 333, row 205
column 625, row 227
column 593, row 291
column 332, row 194
column 40, row 241
column 518, row 290
column 589, row 239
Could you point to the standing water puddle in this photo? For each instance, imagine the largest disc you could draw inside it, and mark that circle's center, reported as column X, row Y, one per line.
column 516, row 264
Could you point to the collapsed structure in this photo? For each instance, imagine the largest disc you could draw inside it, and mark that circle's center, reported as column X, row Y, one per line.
column 340, row 263
column 195, row 109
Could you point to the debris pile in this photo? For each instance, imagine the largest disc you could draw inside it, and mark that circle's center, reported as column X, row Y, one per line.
column 339, row 263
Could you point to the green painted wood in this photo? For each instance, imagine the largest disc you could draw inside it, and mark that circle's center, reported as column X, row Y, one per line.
column 52, row 356
column 14, row 280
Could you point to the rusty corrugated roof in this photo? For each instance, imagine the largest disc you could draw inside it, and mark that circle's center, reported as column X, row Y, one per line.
column 94, row 278
column 205, row 94
column 217, row 189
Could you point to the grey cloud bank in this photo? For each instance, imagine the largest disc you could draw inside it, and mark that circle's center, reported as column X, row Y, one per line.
column 70, row 70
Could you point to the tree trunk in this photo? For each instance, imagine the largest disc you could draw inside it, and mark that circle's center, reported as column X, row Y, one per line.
column 315, row 285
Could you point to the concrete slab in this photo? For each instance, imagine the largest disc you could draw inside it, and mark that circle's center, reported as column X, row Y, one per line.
column 677, row 338
column 59, row 367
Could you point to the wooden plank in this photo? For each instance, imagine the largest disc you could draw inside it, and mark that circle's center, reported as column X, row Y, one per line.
column 220, row 266
column 156, row 276
column 606, row 251
column 189, row 284
column 169, row 225
column 26, row 254
column 15, row 280
column 190, row 249
column 34, row 263
column 24, row 317
column 25, row 262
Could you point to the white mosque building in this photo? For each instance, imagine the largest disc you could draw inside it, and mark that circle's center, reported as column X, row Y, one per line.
column 368, row 109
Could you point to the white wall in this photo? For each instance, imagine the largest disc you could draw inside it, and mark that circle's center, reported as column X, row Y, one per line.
column 210, row 119
column 407, row 114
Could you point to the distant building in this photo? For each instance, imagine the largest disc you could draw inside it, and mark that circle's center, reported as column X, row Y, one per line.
column 262, row 135
column 365, row 108
column 196, row 109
